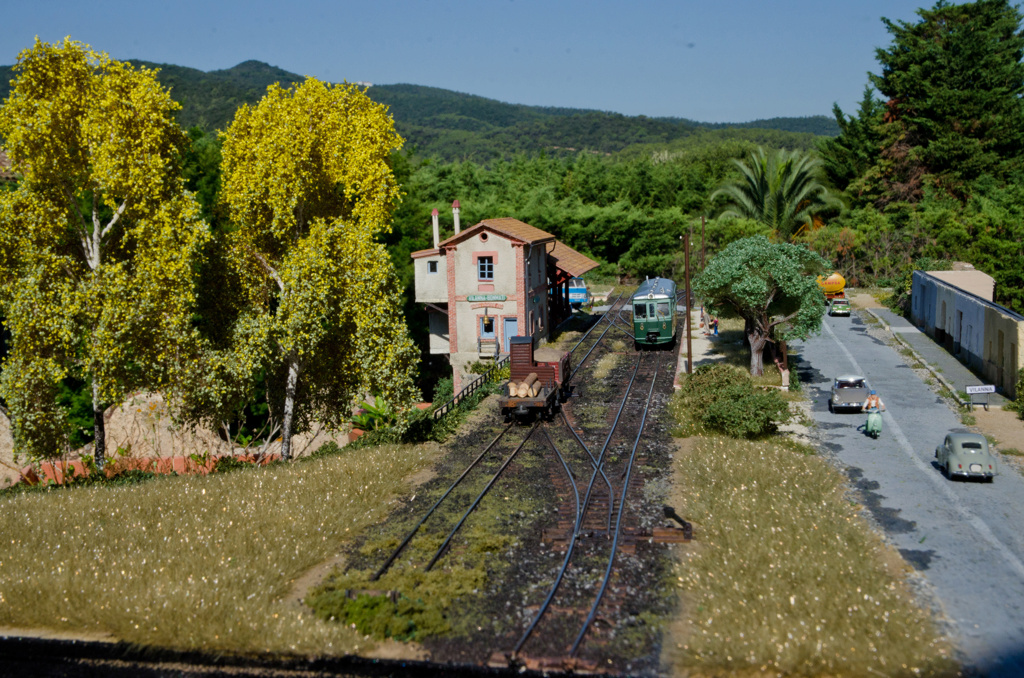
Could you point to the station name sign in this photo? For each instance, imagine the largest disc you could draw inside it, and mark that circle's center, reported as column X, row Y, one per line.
column 974, row 390
column 486, row 297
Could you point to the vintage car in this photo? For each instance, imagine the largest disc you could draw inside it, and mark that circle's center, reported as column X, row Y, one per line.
column 966, row 455
column 839, row 306
column 849, row 392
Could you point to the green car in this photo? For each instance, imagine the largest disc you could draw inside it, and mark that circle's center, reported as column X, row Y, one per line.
column 966, row 455
column 839, row 306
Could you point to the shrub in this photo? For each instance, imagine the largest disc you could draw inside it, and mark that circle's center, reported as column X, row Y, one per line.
column 723, row 398
column 374, row 415
column 743, row 412
column 1017, row 404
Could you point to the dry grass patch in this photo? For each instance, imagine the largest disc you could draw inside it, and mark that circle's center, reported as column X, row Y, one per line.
column 787, row 578
column 605, row 365
column 195, row 562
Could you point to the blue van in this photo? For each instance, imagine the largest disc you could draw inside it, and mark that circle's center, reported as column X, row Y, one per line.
column 578, row 294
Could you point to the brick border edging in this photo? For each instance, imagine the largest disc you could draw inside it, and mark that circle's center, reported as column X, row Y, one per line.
column 56, row 472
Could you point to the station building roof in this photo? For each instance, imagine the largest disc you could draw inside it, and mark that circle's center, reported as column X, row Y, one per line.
column 506, row 226
column 565, row 258
column 571, row 261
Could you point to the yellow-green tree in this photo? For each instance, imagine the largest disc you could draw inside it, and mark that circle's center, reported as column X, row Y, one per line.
column 98, row 242
column 308, row 184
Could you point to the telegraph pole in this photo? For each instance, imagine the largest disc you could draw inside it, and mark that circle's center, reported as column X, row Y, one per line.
column 686, row 265
column 702, row 243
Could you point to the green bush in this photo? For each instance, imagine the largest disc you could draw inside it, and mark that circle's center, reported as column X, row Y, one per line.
column 375, row 415
column 743, row 412
column 379, row 616
column 724, row 399
column 1017, row 404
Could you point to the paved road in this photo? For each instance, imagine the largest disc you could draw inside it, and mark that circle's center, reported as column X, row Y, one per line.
column 964, row 537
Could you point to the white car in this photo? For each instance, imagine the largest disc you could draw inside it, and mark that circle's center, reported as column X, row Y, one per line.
column 849, row 392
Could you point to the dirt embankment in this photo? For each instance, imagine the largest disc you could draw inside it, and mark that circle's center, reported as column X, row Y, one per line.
column 142, row 427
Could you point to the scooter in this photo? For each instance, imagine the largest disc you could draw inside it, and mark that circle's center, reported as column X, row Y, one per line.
column 874, row 425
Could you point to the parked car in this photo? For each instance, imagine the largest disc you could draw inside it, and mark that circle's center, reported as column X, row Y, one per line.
column 966, row 455
column 839, row 306
column 848, row 393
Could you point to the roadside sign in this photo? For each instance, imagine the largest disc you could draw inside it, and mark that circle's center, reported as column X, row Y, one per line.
column 983, row 391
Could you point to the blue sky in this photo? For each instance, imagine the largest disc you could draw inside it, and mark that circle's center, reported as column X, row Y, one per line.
column 728, row 61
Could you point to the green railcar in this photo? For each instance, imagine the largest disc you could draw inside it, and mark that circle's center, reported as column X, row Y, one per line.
column 654, row 313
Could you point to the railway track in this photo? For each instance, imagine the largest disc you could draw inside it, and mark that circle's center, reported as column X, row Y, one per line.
column 579, row 613
column 474, row 465
column 604, row 324
column 591, row 471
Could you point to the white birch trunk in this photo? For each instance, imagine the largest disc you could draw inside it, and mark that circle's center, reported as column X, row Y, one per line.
column 289, row 407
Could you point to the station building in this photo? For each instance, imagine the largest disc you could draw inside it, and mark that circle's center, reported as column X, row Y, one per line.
column 498, row 279
column 956, row 308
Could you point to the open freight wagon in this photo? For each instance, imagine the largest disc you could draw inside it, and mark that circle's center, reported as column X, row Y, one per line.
column 537, row 381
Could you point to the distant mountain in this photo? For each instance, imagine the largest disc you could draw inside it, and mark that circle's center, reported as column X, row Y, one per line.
column 449, row 124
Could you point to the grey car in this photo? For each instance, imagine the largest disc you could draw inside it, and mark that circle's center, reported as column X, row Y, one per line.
column 966, row 455
column 849, row 392
column 839, row 306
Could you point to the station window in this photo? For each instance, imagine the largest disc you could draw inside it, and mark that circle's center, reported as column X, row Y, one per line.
column 431, row 267
column 485, row 268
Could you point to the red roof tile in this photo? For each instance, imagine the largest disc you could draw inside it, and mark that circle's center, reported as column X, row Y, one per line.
column 571, row 261
column 507, row 226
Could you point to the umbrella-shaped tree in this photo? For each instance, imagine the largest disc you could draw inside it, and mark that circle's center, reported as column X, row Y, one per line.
column 772, row 286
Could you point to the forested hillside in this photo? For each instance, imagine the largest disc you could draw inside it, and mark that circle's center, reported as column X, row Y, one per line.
column 451, row 125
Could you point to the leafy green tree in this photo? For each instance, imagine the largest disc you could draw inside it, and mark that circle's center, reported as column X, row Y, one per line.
column 98, row 242
column 771, row 286
column 778, row 189
column 954, row 82
column 847, row 157
column 307, row 182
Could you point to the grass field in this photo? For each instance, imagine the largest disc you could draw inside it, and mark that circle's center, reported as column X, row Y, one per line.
column 195, row 562
column 785, row 577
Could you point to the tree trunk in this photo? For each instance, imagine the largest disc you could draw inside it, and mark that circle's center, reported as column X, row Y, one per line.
column 99, row 427
column 289, row 407
column 757, row 342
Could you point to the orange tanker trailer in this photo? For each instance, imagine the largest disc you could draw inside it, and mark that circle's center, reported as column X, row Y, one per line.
column 833, row 286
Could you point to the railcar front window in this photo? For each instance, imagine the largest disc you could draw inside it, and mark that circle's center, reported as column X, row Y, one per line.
column 640, row 310
column 485, row 268
column 663, row 309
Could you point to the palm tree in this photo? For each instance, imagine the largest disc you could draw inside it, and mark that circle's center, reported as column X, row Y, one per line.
column 780, row 190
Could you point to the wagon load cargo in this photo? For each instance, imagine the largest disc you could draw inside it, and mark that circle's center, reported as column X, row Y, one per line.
column 537, row 380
